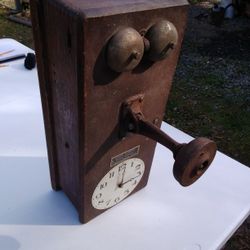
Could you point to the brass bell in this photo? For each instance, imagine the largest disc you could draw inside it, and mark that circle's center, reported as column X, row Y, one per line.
column 162, row 38
column 125, row 50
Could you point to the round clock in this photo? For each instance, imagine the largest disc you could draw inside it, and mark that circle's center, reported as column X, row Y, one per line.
column 118, row 183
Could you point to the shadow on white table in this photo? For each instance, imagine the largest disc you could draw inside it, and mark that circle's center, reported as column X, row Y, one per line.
column 162, row 216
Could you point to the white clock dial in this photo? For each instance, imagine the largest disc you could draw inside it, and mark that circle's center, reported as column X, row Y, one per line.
column 118, row 183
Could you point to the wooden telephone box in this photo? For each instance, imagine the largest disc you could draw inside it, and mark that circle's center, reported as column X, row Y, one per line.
column 105, row 71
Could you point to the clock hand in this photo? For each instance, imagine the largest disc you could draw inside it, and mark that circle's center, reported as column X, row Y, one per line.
column 122, row 184
column 119, row 182
column 123, row 174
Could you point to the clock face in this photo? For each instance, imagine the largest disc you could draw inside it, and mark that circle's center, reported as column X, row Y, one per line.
column 118, row 183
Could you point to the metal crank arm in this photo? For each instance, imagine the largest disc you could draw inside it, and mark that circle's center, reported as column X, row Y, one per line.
column 191, row 159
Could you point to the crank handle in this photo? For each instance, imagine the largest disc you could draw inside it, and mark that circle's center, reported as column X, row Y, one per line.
column 191, row 159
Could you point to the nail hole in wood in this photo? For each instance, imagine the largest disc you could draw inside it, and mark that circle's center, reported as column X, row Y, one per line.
column 67, row 145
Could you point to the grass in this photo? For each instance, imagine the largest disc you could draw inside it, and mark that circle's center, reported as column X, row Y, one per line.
column 13, row 30
column 204, row 108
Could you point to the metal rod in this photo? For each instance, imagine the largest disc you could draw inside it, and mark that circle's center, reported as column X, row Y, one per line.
column 6, row 52
column 12, row 58
column 151, row 131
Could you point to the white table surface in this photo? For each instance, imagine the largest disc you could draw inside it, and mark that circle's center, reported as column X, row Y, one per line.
column 163, row 216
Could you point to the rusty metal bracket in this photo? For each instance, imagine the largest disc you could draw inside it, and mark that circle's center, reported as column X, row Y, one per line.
column 131, row 110
column 132, row 120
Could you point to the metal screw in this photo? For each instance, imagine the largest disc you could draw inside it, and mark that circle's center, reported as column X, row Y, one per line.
column 156, row 120
column 135, row 55
column 141, row 99
column 131, row 127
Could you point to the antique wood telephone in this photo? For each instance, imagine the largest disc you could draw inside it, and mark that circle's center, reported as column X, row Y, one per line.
column 105, row 71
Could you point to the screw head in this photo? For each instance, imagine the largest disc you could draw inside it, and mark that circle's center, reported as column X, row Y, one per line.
column 156, row 120
column 131, row 127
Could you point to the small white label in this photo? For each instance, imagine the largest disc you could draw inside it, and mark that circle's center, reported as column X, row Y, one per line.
column 124, row 156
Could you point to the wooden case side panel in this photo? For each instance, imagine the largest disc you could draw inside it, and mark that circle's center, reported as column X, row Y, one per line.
column 39, row 36
column 59, row 87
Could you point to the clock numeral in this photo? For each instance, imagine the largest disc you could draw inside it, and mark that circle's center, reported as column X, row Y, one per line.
column 98, row 196
column 122, row 167
column 108, row 202
column 134, row 182
column 117, row 200
column 138, row 167
column 111, row 174
column 126, row 191
column 103, row 185
column 139, row 173
column 132, row 164
column 100, row 202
